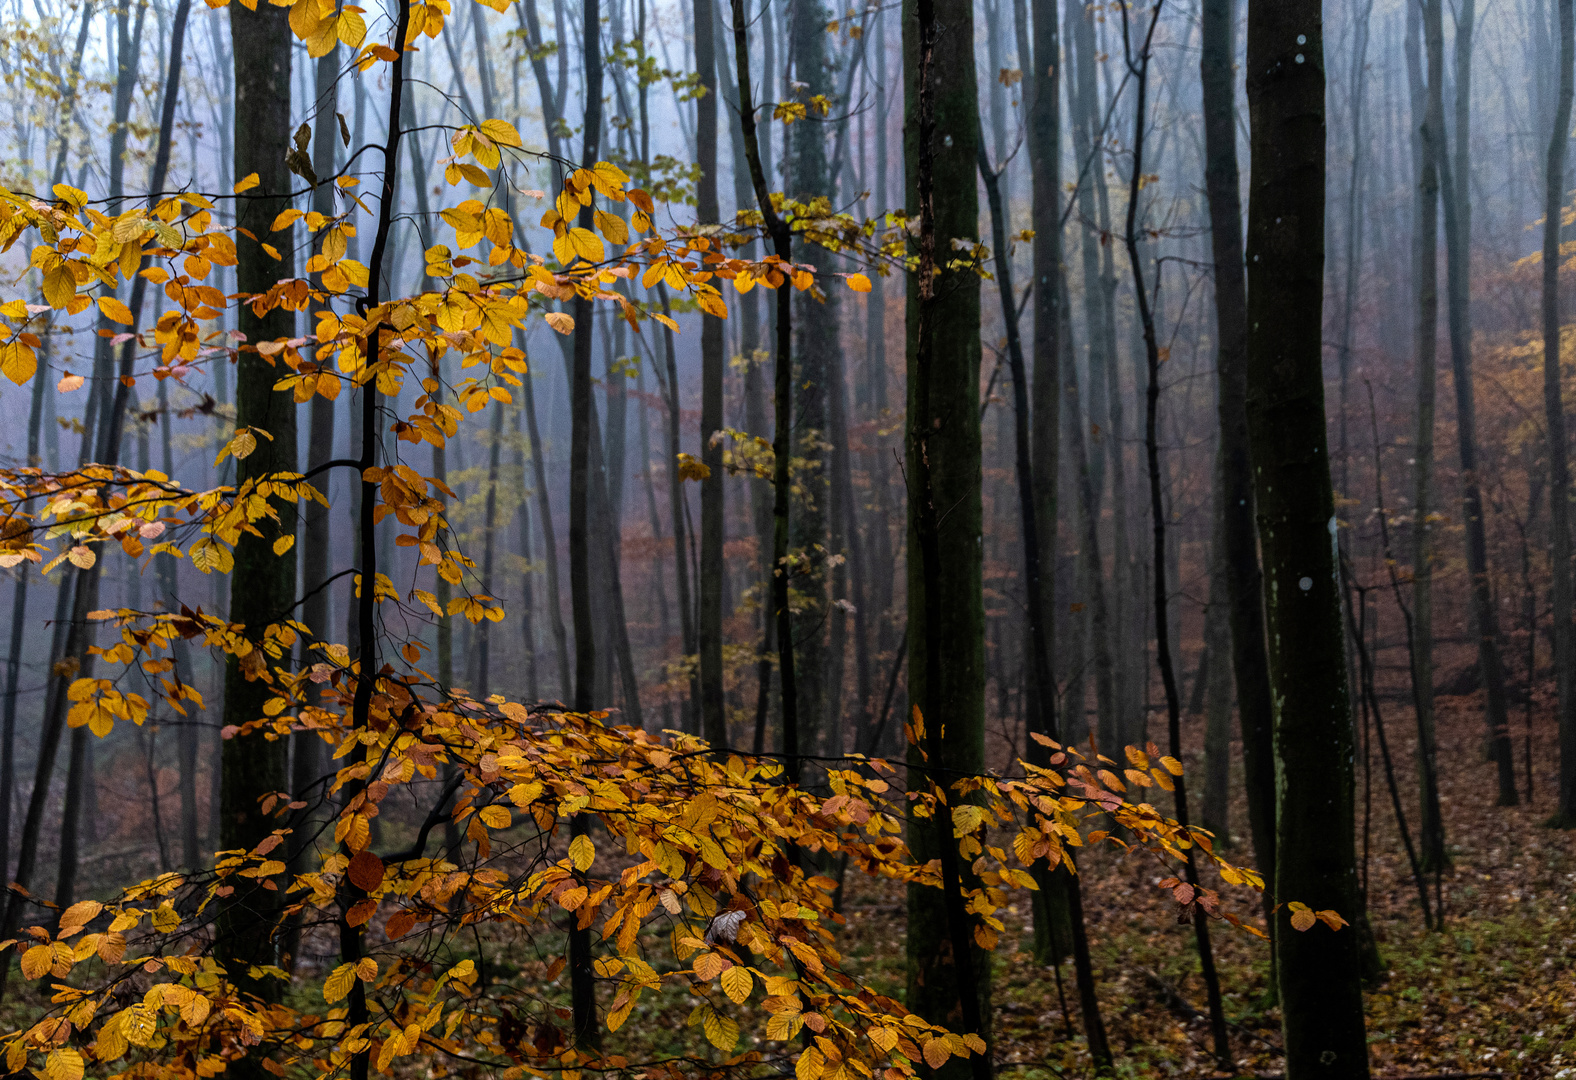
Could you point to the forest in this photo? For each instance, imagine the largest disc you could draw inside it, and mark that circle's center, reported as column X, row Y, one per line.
column 744, row 539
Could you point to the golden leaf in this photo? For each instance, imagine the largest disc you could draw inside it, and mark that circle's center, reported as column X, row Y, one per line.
column 582, row 853
column 857, row 282
column 737, row 984
column 338, row 983
column 721, row 1031
column 114, row 310
column 18, row 362
column 495, row 816
column 63, row 1064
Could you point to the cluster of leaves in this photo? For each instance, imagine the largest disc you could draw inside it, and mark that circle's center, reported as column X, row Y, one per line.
column 704, row 852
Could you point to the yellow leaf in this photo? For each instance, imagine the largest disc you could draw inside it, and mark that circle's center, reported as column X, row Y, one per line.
column 1173, row 766
column 351, row 28
column 338, row 983
column 582, row 853
column 692, row 469
column 284, row 543
column 247, row 183
column 558, row 320
column 810, row 1065
column 81, row 913
column 496, row 816
column 501, row 131
column 37, row 961
column 585, row 243
column 114, row 310
column 858, row 283
column 304, row 17
column 60, row 286
column 721, row 1031
column 367, row 969
column 18, row 362
column 63, row 1064
column 612, row 227
column 966, row 818
column 737, row 984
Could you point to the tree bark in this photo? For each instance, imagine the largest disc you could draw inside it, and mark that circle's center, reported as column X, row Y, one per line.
column 1453, row 182
column 1240, row 541
column 1319, row 971
column 712, row 490
column 1554, row 419
column 264, row 584
column 1430, row 126
column 1139, row 66
column 582, row 984
column 948, row 976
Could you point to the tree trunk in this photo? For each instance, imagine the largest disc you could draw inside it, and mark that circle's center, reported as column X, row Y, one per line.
column 1319, row 971
column 1430, row 125
column 1554, row 414
column 1453, row 182
column 1140, row 67
column 816, row 344
column 190, row 732
column 544, row 511
column 1215, row 674
column 264, row 584
column 712, row 489
column 1240, row 541
column 948, row 976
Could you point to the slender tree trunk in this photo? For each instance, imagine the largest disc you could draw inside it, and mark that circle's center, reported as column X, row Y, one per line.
column 544, row 511
column 712, row 488
column 1053, row 928
column 489, row 549
column 782, row 439
column 189, row 737
column 1554, row 419
column 816, row 344
column 1319, row 971
column 265, row 584
column 306, row 751
column 1430, row 128
column 1240, row 539
column 948, row 976
column 1140, row 67
column 1215, row 674
column 582, row 985
column 1458, row 282
column 676, row 506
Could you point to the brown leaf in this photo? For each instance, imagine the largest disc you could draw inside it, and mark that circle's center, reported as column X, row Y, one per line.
column 366, row 871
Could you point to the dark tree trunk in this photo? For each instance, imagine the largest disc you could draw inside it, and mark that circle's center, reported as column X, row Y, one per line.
column 1240, row 540
column 582, row 985
column 948, row 975
column 1554, row 418
column 712, row 490
column 1453, row 182
column 1319, row 971
column 1426, row 243
column 1139, row 66
column 264, row 584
